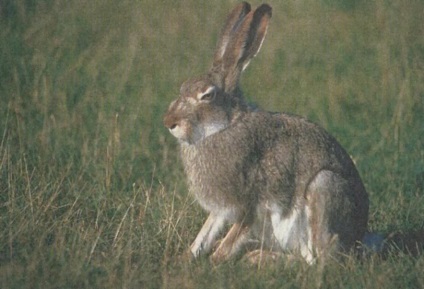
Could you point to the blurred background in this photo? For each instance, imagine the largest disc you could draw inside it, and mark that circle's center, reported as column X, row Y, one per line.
column 91, row 186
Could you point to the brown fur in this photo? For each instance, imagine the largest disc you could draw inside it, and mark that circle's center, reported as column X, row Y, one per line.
column 245, row 165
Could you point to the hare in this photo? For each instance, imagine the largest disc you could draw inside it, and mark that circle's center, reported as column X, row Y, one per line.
column 281, row 181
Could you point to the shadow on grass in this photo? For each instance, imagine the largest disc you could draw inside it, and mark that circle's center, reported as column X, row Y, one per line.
column 408, row 242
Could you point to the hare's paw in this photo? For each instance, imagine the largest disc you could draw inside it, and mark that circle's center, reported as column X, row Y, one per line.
column 220, row 255
column 259, row 256
column 186, row 257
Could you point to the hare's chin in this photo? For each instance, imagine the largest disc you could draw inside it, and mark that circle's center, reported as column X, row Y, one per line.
column 178, row 132
column 198, row 133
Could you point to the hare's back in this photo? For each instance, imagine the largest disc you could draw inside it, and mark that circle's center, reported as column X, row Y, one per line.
column 312, row 144
column 295, row 150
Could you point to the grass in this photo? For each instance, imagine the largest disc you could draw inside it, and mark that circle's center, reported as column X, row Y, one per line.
column 92, row 193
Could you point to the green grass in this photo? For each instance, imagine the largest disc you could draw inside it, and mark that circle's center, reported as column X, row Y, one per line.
column 92, row 193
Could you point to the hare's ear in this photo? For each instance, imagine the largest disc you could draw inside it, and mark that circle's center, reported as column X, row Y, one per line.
column 243, row 44
column 235, row 18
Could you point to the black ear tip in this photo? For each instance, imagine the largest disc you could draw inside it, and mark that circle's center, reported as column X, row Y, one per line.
column 264, row 9
column 246, row 5
column 243, row 7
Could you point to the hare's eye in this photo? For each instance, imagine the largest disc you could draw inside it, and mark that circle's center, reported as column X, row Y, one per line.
column 208, row 95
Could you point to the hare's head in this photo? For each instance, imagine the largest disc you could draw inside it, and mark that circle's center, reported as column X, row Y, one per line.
column 208, row 104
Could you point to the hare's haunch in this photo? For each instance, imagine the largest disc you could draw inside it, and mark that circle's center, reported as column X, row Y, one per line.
column 280, row 180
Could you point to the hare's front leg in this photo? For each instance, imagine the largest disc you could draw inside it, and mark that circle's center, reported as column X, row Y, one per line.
column 207, row 235
column 233, row 242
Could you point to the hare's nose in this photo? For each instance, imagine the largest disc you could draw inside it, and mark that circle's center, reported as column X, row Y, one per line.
column 170, row 122
column 171, row 126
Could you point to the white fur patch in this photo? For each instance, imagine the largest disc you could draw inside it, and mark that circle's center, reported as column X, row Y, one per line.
column 178, row 132
column 197, row 132
column 212, row 128
column 293, row 232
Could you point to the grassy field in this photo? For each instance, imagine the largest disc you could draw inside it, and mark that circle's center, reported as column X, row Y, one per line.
column 92, row 193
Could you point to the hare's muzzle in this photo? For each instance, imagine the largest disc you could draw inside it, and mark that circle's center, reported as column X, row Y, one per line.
column 170, row 122
column 175, row 125
column 170, row 125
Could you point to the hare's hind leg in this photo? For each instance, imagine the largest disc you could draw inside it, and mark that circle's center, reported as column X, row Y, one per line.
column 338, row 210
column 292, row 230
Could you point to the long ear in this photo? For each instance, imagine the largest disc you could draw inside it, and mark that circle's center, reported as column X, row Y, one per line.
column 234, row 20
column 244, row 44
column 248, row 46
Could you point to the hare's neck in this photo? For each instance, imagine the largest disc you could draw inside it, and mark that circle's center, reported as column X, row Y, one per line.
column 189, row 153
column 239, row 109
